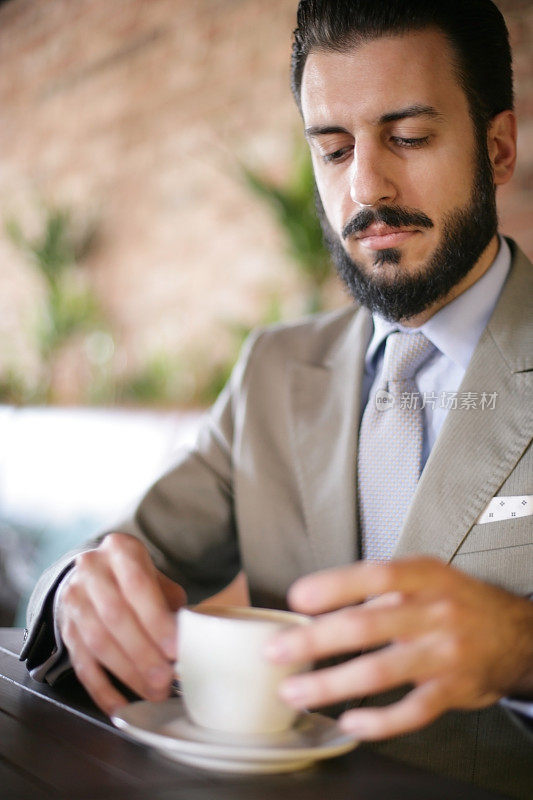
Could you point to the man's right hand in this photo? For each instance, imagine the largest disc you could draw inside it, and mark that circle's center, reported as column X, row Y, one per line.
column 115, row 611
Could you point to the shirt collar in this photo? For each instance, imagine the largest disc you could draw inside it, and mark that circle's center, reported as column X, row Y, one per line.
column 456, row 328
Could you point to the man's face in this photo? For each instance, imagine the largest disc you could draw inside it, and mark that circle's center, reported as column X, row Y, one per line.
column 406, row 188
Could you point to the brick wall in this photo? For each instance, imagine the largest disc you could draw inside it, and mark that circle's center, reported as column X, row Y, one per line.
column 139, row 112
column 515, row 201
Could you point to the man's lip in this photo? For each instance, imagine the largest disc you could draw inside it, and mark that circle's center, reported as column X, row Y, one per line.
column 377, row 237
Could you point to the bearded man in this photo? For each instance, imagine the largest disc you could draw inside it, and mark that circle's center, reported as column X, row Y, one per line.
column 371, row 466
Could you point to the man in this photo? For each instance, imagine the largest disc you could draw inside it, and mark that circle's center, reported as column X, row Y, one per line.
column 311, row 457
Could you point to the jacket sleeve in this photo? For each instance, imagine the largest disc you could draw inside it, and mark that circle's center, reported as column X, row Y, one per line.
column 186, row 520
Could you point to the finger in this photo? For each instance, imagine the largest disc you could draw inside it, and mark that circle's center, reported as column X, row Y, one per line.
column 350, row 629
column 91, row 675
column 78, row 607
column 387, row 600
column 388, row 668
column 114, row 636
column 334, row 588
column 136, row 577
column 418, row 708
column 117, row 613
column 173, row 593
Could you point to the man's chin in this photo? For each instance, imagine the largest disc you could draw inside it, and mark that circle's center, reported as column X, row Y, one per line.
column 384, row 268
column 393, row 290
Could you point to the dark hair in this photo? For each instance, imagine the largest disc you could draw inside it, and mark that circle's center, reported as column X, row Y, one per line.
column 475, row 29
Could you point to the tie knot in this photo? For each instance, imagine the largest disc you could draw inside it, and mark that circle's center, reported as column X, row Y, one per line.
column 404, row 355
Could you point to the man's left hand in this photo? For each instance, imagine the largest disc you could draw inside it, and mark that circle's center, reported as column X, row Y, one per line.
column 459, row 642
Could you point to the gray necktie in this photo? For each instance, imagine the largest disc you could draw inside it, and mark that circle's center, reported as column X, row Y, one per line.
column 390, row 444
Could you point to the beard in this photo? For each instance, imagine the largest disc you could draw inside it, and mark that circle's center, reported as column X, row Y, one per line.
column 466, row 233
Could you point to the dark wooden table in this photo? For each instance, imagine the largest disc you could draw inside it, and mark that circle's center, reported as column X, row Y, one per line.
column 54, row 743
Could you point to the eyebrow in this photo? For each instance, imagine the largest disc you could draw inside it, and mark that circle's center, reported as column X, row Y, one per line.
column 409, row 112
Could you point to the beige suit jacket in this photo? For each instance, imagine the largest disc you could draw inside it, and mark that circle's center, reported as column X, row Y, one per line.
column 271, row 488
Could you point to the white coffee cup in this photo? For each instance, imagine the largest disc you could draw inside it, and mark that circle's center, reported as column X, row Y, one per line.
column 227, row 682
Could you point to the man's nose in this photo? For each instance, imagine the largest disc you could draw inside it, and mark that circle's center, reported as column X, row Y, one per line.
column 370, row 182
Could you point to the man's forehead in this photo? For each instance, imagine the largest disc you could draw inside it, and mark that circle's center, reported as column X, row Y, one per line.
column 381, row 75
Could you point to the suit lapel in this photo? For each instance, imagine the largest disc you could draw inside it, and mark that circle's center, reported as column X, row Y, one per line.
column 325, row 408
column 477, row 449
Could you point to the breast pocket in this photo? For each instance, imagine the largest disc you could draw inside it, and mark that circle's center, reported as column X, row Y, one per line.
column 500, row 553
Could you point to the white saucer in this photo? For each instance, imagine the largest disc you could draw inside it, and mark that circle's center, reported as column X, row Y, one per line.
column 167, row 727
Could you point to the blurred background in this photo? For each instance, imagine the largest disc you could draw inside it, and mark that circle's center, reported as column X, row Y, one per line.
column 155, row 205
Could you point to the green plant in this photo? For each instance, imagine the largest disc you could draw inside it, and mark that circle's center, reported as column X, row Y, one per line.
column 293, row 204
column 70, row 308
column 14, row 390
column 156, row 382
column 70, row 304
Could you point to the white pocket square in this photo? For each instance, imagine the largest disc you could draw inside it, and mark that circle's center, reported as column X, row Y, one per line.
column 501, row 508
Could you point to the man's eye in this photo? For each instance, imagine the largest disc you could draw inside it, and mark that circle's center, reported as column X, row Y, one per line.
column 336, row 156
column 404, row 141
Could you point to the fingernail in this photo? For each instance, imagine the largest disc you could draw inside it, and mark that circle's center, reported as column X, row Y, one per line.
column 158, row 677
column 294, row 693
column 277, row 650
column 169, row 647
column 301, row 595
column 356, row 728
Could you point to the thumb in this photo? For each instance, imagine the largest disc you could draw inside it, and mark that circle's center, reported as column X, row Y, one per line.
column 173, row 593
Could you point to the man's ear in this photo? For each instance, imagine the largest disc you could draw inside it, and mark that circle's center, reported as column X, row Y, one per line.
column 501, row 143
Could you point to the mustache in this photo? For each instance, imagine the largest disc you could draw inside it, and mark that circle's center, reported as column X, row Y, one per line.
column 392, row 216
